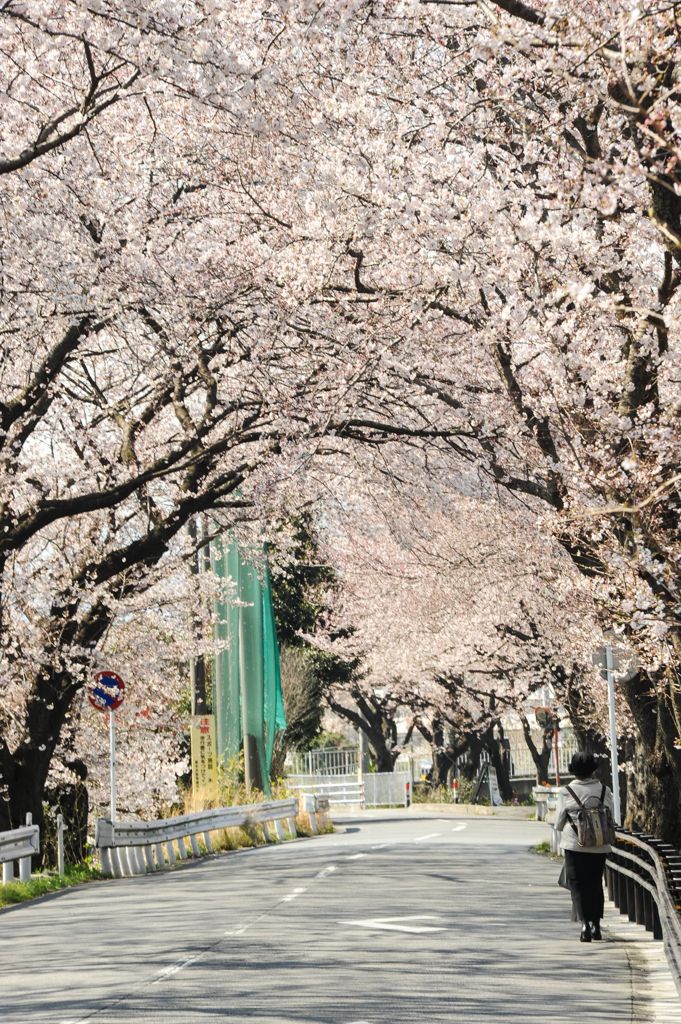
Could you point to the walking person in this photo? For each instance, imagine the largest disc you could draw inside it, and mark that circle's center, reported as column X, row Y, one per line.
column 584, row 815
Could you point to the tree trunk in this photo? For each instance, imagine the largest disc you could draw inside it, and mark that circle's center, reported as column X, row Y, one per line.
column 494, row 747
column 541, row 757
column 654, row 786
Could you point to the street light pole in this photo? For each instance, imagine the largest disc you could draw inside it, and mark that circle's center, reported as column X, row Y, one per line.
column 610, row 677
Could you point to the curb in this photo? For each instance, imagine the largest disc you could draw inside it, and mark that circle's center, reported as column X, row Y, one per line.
column 477, row 811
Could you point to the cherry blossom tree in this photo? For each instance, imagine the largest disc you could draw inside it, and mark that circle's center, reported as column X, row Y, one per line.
column 245, row 242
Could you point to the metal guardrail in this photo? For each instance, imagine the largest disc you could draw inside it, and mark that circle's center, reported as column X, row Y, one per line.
column 643, row 876
column 133, row 848
column 19, row 844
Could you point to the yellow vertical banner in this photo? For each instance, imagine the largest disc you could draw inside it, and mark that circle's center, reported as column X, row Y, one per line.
column 204, row 770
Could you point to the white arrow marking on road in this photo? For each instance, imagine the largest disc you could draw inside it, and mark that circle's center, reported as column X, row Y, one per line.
column 386, row 923
column 431, row 835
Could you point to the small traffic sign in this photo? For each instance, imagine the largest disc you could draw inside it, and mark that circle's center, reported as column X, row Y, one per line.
column 106, row 692
column 545, row 717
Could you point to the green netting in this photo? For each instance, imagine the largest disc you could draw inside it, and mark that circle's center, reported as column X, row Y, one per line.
column 249, row 706
column 227, row 683
column 274, row 717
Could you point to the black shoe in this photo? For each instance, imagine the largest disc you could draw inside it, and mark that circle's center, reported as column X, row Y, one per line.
column 585, row 935
column 596, row 930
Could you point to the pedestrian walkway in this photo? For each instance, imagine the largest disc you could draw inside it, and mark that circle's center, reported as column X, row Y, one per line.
column 654, row 998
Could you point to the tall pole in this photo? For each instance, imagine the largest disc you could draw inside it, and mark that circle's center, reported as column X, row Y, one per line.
column 610, row 676
column 361, row 754
column 197, row 667
column 112, row 764
column 555, row 750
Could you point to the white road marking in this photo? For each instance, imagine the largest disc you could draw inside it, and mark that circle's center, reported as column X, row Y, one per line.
column 356, row 856
column 379, row 846
column 388, row 924
column 326, row 871
column 292, row 895
column 431, row 835
column 458, row 828
column 162, row 975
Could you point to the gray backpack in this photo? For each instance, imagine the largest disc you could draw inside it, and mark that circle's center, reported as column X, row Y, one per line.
column 594, row 825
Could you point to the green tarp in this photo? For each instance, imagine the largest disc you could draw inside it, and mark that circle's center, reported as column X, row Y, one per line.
column 248, row 701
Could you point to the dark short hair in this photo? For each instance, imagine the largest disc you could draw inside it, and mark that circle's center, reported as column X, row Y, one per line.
column 582, row 764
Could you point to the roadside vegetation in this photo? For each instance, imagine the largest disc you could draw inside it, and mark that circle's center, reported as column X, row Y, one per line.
column 41, row 885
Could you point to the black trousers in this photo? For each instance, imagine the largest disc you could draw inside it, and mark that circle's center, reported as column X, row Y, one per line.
column 585, row 876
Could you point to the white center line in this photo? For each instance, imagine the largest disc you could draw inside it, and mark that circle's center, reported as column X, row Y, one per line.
column 326, row 871
column 379, row 846
column 431, row 835
column 292, row 895
column 458, row 828
column 162, row 975
column 355, row 856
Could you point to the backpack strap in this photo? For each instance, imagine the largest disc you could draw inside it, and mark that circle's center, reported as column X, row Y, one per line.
column 603, row 795
column 574, row 795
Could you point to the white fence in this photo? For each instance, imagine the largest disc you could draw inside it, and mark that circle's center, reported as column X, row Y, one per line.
column 522, row 765
column 326, row 761
column 19, row 845
column 133, row 848
column 379, row 788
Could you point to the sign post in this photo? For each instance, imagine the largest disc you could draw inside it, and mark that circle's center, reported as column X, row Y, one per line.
column 106, row 694
column 487, row 774
column 606, row 659
column 204, row 764
column 610, row 677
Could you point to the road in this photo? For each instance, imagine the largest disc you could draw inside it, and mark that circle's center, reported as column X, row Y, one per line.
column 401, row 917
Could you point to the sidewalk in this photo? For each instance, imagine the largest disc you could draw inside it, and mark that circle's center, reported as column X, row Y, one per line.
column 653, row 994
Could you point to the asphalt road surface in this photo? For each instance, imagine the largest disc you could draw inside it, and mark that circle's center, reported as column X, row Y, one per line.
column 401, row 917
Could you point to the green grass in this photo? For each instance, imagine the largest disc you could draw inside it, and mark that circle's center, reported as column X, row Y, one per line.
column 40, row 885
column 544, row 850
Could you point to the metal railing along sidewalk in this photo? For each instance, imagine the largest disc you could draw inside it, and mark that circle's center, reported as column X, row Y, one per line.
column 643, row 876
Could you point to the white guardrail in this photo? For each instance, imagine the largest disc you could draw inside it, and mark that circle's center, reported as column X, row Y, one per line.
column 133, row 848
column 20, row 844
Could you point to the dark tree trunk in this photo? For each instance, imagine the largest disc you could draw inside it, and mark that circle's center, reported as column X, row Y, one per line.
column 25, row 771
column 378, row 725
column 541, row 756
column 494, row 746
column 471, row 769
column 654, row 786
